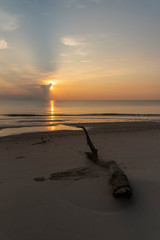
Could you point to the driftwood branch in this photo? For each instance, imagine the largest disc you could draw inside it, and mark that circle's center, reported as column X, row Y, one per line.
column 89, row 142
column 117, row 179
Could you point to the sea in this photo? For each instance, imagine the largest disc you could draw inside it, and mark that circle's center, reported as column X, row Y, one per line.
column 19, row 116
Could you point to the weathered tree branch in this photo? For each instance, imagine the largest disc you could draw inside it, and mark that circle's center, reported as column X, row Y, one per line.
column 89, row 142
column 118, row 180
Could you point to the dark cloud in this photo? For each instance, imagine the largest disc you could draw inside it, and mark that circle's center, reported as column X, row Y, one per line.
column 46, row 90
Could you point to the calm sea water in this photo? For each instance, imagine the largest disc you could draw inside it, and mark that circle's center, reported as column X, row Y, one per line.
column 29, row 116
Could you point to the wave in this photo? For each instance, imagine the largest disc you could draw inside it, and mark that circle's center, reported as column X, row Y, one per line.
column 83, row 115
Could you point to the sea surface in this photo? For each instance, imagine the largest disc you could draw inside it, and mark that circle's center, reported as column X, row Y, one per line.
column 34, row 116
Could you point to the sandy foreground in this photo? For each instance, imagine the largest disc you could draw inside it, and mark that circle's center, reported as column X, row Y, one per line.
column 84, row 208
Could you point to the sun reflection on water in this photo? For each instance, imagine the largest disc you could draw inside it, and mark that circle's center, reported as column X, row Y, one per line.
column 52, row 117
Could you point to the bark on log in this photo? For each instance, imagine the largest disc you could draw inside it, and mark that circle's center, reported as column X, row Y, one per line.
column 117, row 179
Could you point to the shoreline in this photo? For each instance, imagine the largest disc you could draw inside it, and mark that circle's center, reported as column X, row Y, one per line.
column 107, row 127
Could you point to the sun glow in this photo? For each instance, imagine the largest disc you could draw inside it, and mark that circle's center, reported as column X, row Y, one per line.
column 51, row 83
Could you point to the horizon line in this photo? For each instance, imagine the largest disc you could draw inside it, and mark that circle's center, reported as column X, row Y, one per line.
column 79, row 99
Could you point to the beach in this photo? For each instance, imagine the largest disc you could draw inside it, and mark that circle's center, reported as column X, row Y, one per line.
column 80, row 208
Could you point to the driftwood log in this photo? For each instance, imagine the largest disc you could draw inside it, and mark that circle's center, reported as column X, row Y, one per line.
column 118, row 180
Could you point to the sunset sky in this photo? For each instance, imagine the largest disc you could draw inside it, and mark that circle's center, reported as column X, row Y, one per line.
column 89, row 49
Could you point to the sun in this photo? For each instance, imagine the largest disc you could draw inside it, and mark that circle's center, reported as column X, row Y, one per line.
column 52, row 85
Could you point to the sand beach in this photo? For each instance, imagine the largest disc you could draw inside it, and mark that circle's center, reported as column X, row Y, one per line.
column 82, row 208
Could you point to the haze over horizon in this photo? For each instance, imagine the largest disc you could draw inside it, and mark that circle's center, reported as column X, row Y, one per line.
column 88, row 49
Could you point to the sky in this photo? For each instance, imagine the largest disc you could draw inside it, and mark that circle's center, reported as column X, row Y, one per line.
column 84, row 49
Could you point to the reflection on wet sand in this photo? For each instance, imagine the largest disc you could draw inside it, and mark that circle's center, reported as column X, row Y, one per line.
column 21, row 130
column 52, row 128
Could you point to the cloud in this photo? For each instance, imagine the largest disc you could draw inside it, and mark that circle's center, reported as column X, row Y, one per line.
column 82, row 52
column 8, row 22
column 63, row 55
column 46, row 90
column 3, row 44
column 72, row 41
column 86, row 61
column 66, row 61
column 23, row 81
column 77, row 45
